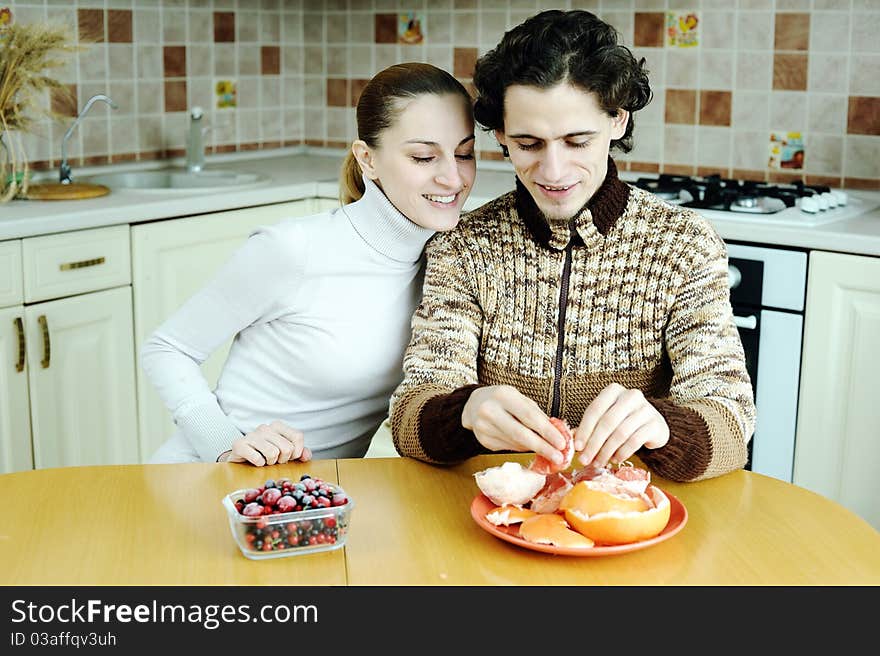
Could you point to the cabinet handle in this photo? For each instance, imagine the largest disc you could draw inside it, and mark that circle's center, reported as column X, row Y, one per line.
column 67, row 266
column 19, row 328
column 47, row 347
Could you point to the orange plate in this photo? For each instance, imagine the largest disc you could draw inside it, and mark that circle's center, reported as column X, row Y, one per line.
column 481, row 505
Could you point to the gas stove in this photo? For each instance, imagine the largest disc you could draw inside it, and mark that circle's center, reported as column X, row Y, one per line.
column 747, row 200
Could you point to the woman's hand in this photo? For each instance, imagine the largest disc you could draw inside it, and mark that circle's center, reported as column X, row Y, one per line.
column 502, row 418
column 616, row 424
column 270, row 444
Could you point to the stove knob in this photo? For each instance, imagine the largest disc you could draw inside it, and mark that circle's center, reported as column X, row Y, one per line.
column 823, row 202
column 840, row 196
column 831, row 199
column 809, row 204
column 734, row 276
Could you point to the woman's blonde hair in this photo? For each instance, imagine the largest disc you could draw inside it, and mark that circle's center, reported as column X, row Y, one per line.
column 378, row 108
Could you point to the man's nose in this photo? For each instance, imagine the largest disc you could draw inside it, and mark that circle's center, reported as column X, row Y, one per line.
column 552, row 163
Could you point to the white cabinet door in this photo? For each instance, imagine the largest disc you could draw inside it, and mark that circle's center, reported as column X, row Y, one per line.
column 15, row 410
column 171, row 260
column 81, row 374
column 838, row 433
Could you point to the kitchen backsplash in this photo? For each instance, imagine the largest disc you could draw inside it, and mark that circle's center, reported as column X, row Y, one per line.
column 779, row 90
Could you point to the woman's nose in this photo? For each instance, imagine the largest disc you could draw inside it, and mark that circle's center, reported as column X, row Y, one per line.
column 449, row 176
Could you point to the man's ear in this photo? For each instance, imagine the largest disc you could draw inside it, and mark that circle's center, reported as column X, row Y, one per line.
column 500, row 138
column 365, row 158
column 618, row 123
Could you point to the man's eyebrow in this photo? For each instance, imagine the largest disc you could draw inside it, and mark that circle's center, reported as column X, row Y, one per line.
column 434, row 143
column 582, row 133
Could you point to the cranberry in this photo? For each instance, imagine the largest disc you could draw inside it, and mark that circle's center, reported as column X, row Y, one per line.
column 251, row 495
column 286, row 504
column 324, row 502
column 271, row 496
column 339, row 499
column 253, row 509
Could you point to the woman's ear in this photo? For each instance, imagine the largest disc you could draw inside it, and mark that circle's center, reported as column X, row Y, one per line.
column 365, row 158
column 618, row 123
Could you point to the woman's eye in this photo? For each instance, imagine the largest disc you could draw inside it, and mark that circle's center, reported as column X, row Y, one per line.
column 421, row 160
column 465, row 156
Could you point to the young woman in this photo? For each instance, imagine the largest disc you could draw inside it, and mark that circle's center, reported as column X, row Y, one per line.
column 321, row 306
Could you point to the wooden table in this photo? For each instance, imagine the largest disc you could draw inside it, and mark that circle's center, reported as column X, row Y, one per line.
column 411, row 525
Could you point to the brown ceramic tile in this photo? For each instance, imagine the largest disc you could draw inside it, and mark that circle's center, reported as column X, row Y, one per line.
column 40, row 165
column 293, row 142
column 715, row 107
column 386, row 28
column 314, row 142
column 224, row 26
column 174, row 61
column 357, row 87
column 789, row 72
column 792, row 32
column 64, row 103
column 175, row 95
column 749, row 174
column 224, row 148
column 823, row 180
column 463, row 62
column 119, row 25
column 91, row 25
column 650, row 28
column 249, row 146
column 491, row 155
column 337, row 92
column 679, row 169
column 785, row 178
column 149, row 156
column 269, row 145
column 332, row 143
column 644, row 167
column 175, row 152
column 713, row 170
column 270, row 57
column 123, row 157
column 95, row 160
column 681, row 106
column 869, row 184
column 863, row 116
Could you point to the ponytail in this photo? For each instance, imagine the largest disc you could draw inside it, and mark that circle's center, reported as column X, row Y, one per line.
column 351, row 184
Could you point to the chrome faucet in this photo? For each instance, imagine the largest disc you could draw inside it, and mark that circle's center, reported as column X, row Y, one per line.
column 64, row 168
column 195, row 142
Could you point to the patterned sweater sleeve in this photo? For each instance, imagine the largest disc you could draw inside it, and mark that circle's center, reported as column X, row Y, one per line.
column 710, row 409
column 440, row 362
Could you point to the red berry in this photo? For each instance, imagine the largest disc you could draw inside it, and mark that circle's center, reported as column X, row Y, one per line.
column 251, row 495
column 286, row 504
column 330, row 522
column 339, row 499
column 253, row 509
column 324, row 502
column 271, row 496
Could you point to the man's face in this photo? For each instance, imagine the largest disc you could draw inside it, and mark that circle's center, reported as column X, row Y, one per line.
column 558, row 140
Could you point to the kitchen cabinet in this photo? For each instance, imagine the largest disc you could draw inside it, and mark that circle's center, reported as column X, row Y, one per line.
column 171, row 260
column 838, row 433
column 67, row 389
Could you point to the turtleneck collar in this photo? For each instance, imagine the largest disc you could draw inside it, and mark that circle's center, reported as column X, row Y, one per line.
column 384, row 228
column 598, row 215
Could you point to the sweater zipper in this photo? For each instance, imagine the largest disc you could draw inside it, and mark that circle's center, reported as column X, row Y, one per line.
column 563, row 304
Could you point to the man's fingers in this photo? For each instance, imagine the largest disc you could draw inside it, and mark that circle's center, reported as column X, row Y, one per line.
column 594, row 412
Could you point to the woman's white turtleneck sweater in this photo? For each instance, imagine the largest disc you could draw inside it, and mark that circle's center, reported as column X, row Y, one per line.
column 321, row 309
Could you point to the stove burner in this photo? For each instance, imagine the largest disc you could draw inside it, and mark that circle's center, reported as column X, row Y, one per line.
column 713, row 192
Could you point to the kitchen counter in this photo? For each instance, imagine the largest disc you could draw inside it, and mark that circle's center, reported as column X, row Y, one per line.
column 411, row 525
column 297, row 173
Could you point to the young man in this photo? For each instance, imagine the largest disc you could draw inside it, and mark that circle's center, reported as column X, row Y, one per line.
column 576, row 295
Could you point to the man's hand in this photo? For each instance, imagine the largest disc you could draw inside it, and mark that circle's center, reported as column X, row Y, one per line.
column 616, row 424
column 502, row 418
column 270, row 444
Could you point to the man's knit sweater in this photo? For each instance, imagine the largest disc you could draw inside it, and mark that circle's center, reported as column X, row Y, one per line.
column 321, row 307
column 632, row 291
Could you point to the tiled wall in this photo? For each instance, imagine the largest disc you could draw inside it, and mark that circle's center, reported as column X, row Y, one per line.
column 760, row 67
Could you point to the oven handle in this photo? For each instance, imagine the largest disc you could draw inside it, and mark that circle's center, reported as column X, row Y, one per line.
column 749, row 323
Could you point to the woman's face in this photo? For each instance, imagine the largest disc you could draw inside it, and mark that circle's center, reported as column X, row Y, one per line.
column 425, row 160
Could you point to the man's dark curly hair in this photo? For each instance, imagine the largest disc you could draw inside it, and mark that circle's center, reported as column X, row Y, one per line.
column 555, row 46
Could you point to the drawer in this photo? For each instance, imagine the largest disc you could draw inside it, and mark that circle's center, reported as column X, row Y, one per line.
column 76, row 262
column 11, row 286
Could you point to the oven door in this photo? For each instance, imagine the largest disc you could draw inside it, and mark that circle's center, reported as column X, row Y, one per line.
column 772, row 343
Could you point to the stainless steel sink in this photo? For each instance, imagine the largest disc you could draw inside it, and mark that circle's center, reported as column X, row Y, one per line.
column 179, row 180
